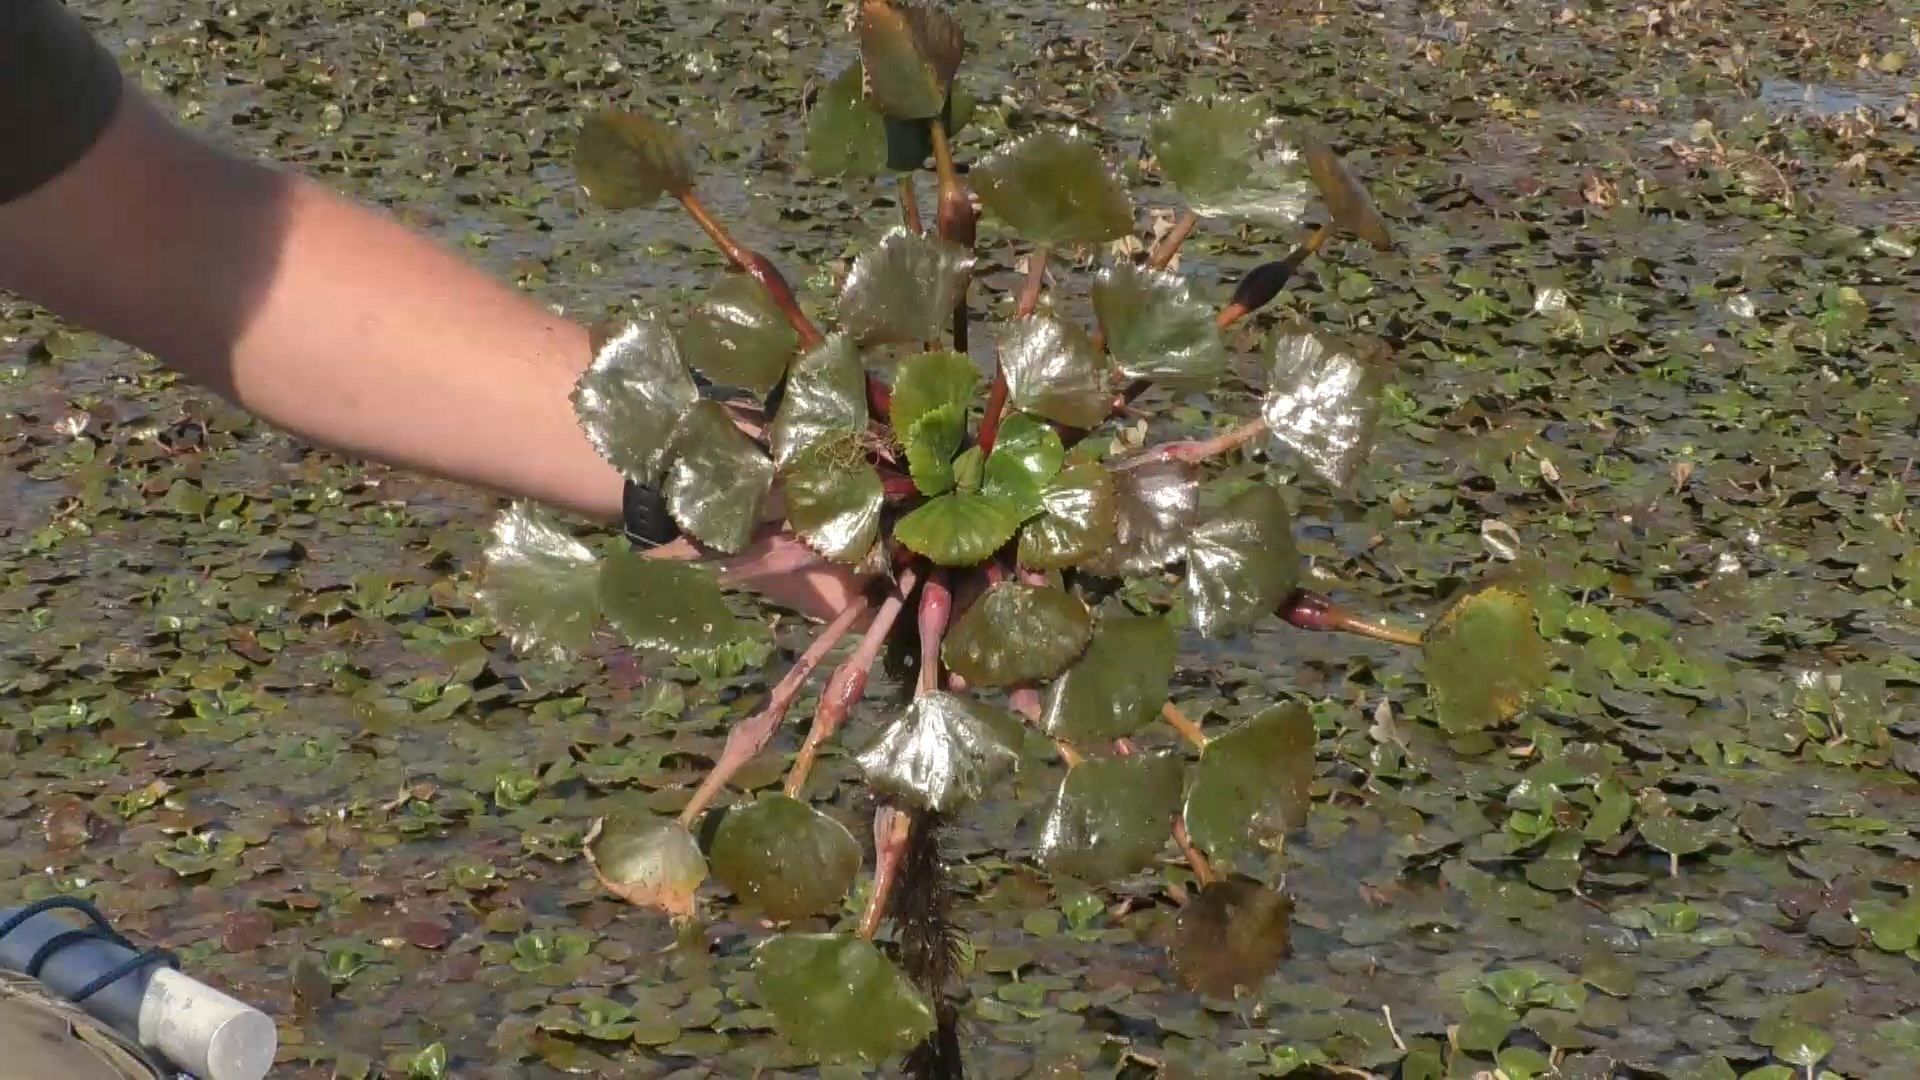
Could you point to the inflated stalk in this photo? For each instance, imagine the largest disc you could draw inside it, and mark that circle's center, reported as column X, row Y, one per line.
column 748, row 739
column 957, row 221
column 997, row 397
column 936, row 607
column 909, row 204
column 1310, row 610
column 891, row 830
column 758, row 267
column 849, row 682
column 1188, row 729
column 1202, row 870
column 1169, row 245
column 1264, row 282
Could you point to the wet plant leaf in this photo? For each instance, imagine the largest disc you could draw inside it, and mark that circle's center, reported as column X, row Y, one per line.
column 911, row 52
column 835, row 995
column 1111, row 817
column 943, row 753
column 1118, row 686
column 1676, row 835
column 1241, row 563
column 1800, row 1044
column 542, row 587
column 1053, row 187
column 1017, row 633
column 930, row 444
column 1026, row 456
column 720, row 478
column 904, row 290
column 736, row 336
column 1323, row 402
column 1484, row 658
column 669, row 606
column 834, row 497
column 653, row 862
column 1155, row 506
column 1077, row 519
column 1229, row 159
column 631, row 399
column 1895, row 929
column 1052, row 371
column 1347, row 200
column 1155, row 329
column 625, row 160
column 1251, row 786
column 785, row 859
column 846, row 135
column 826, row 392
column 930, row 381
column 959, row 528
column 1231, row 936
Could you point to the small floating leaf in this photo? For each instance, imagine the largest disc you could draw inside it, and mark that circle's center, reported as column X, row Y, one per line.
column 653, row 862
column 1017, row 633
column 834, row 498
column 959, row 528
column 626, row 160
column 904, row 289
column 1484, row 658
column 1348, row 203
column 1156, row 329
column 835, row 995
column 1077, row 519
column 1677, row 836
column 1241, row 563
column 719, row 480
column 785, row 859
column 846, row 135
column 1111, row 817
column 670, row 606
column 1231, row 936
column 542, row 587
column 1155, row 506
column 736, row 336
column 826, row 392
column 930, row 445
column 1251, row 786
column 910, row 52
column 943, row 753
column 1054, row 188
column 1025, row 457
column 630, row 400
column 1118, row 687
column 1323, row 401
column 1052, row 371
column 1229, row 159
column 931, row 381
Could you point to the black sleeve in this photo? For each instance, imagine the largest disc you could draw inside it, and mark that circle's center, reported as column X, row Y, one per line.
column 58, row 90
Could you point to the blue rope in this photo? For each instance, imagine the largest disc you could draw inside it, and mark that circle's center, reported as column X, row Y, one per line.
column 101, row 930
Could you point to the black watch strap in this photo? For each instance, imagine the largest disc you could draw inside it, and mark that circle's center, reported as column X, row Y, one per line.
column 643, row 513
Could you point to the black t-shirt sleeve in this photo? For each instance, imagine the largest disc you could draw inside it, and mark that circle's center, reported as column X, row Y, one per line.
column 58, row 90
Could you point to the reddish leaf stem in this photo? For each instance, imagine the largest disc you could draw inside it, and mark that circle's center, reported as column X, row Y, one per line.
column 936, row 607
column 849, row 682
column 1310, row 610
column 957, row 221
column 1188, row 729
column 758, row 267
column 1202, row 870
column 891, row 829
column 1263, row 289
column 1169, row 245
column 909, row 205
column 1197, row 451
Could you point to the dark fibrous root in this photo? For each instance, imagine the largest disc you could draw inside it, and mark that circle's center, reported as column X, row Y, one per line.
column 929, row 945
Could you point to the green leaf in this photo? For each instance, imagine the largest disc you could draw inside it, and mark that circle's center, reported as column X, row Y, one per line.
column 1111, row 817
column 1674, row 834
column 1484, row 1032
column 846, row 135
column 834, row 995
column 785, row 859
column 1251, row 786
column 1894, row 929
column 626, row 160
column 826, row 393
column 1231, row 936
column 737, row 336
column 1025, row 457
column 1484, row 659
column 631, row 399
column 1347, row 200
column 910, row 52
column 1052, row 371
column 943, row 752
column 1156, row 329
column 1801, row 1045
column 653, row 862
column 904, row 289
column 932, row 381
column 1323, row 402
column 1229, row 159
column 967, row 469
column 670, row 606
column 1017, row 633
column 834, row 497
column 1077, row 519
column 1118, row 687
column 1155, row 506
column 930, row 446
column 1054, row 188
column 959, row 528
column 1241, row 564
column 719, row 480
column 541, row 587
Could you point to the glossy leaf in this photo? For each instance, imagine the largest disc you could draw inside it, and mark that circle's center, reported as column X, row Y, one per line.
column 1077, row 519
column 911, row 52
column 1155, row 508
column 930, row 445
column 1025, row 458
column 1231, row 936
column 1674, row 834
column 931, row 381
column 1054, row 188
column 1017, row 633
column 1052, row 371
column 1229, row 159
column 1484, row 659
column 653, row 862
column 846, row 135
column 904, row 289
column 959, row 528
column 1118, row 686
column 1111, row 817
column 1251, row 786
column 1155, row 328
column 826, row 392
column 785, row 859
column 834, row 498
column 835, row 995
column 1347, row 200
column 625, row 160
column 670, row 606
column 541, row 587
column 1323, row 402
column 1241, row 563
column 631, row 399
column 943, row 753
column 736, row 336
column 719, row 480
